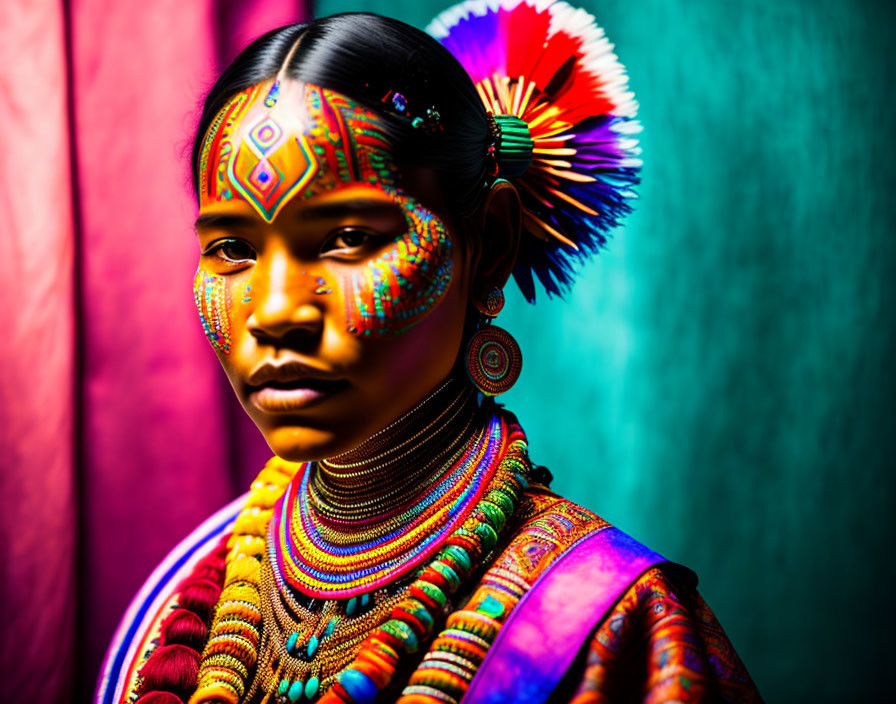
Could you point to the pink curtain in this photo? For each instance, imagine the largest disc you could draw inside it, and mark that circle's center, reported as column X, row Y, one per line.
column 119, row 431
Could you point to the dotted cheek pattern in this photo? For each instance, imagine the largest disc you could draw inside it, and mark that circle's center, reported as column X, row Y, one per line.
column 212, row 296
column 403, row 285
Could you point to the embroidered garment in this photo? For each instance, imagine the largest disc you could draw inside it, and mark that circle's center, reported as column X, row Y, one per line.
column 660, row 642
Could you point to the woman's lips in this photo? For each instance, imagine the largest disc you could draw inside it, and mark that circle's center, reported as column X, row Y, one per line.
column 283, row 398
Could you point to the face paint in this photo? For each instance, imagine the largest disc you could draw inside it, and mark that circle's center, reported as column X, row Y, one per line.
column 322, row 288
column 273, row 142
column 213, row 303
column 400, row 287
column 267, row 146
column 247, row 296
column 250, row 153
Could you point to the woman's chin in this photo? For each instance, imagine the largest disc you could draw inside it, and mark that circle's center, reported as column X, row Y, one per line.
column 296, row 443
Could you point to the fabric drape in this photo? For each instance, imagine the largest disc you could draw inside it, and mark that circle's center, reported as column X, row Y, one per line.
column 119, row 431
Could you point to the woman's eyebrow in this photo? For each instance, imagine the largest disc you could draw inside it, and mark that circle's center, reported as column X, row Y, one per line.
column 328, row 210
column 223, row 221
column 336, row 209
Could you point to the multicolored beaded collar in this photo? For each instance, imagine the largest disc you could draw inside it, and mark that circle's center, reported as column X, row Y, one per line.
column 408, row 618
column 303, row 558
column 231, row 655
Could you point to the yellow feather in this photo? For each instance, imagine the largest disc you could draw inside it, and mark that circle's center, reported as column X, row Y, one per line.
column 554, row 162
column 571, row 175
column 525, row 103
column 562, row 151
column 538, row 222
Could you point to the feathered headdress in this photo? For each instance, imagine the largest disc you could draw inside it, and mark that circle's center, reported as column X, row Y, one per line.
column 564, row 125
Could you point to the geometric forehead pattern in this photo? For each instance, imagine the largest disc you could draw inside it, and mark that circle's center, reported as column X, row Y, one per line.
column 271, row 142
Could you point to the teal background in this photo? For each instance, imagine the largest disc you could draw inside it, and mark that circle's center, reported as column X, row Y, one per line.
column 719, row 384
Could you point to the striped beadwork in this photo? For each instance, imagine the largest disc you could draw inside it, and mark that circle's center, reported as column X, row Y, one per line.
column 232, row 647
column 303, row 558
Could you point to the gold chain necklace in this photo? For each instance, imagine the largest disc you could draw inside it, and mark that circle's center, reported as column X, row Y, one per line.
column 312, row 645
column 385, row 451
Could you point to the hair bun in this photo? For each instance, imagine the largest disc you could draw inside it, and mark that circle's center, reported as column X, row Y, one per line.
column 549, row 76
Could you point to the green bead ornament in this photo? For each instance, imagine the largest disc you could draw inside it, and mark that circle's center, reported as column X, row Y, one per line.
column 513, row 150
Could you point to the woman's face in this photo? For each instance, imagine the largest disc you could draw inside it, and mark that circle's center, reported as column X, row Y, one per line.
column 333, row 296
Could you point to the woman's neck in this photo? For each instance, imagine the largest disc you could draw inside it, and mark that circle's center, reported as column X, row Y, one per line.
column 371, row 483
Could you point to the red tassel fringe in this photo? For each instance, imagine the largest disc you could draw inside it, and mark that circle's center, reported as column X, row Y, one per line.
column 200, row 596
column 213, row 571
column 171, row 668
column 159, row 698
column 183, row 627
column 169, row 675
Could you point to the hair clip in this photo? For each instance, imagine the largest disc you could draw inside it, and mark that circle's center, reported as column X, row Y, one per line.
column 511, row 147
column 399, row 102
column 493, row 128
column 491, row 156
column 430, row 122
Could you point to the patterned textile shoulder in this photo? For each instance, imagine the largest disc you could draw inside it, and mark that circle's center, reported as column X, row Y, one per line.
column 594, row 616
column 557, row 520
column 168, row 618
column 660, row 643
column 549, row 524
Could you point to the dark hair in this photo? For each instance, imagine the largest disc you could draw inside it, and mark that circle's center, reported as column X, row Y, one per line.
column 364, row 56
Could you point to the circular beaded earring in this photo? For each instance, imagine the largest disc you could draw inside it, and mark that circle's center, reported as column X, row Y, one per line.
column 493, row 358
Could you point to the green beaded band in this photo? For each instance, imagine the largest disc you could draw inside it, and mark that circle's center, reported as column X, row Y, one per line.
column 513, row 150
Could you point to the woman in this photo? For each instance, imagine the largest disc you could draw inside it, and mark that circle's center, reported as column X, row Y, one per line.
column 362, row 204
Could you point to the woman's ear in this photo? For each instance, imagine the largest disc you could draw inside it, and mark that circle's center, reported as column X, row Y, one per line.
column 501, row 218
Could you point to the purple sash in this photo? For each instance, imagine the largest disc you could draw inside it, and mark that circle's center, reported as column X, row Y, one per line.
column 548, row 627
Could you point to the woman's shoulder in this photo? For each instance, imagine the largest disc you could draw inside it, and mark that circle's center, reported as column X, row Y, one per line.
column 581, row 595
column 187, row 580
column 550, row 528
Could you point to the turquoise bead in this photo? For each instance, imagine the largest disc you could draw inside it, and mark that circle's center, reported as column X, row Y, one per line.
column 291, row 643
column 350, row 606
column 311, row 687
column 312, row 646
column 423, row 616
column 458, row 556
column 331, row 626
column 433, row 592
column 402, row 631
column 451, row 577
column 491, row 607
column 284, row 685
column 295, row 691
column 358, row 686
column 365, row 599
column 487, row 535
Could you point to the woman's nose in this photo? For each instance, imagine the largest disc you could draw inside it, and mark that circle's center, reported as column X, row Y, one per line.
column 285, row 304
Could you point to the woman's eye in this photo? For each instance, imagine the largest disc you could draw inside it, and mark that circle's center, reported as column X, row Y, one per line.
column 348, row 239
column 233, row 251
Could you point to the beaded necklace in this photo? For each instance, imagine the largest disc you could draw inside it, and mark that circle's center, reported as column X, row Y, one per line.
column 302, row 557
column 310, row 651
column 386, row 447
column 349, row 650
column 348, row 505
column 232, row 647
column 303, row 647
